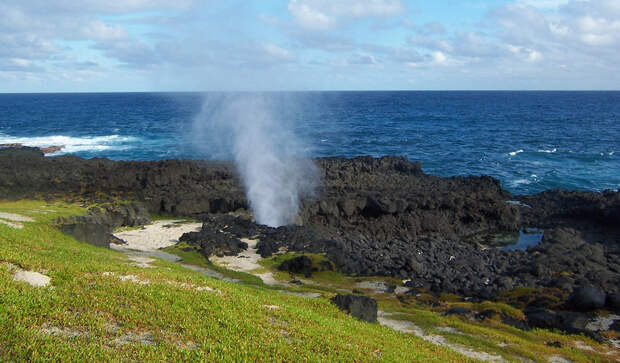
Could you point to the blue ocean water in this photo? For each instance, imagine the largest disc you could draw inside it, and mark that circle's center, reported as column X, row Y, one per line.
column 531, row 141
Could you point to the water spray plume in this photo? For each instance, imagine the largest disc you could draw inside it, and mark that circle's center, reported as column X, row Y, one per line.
column 268, row 155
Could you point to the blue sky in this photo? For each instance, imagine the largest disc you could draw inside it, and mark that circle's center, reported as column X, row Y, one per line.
column 195, row 45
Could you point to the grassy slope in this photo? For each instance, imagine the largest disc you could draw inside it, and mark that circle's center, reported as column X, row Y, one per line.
column 490, row 336
column 93, row 311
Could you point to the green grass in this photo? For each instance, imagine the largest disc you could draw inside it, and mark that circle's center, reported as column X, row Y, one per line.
column 184, row 324
column 325, row 280
column 490, row 335
column 193, row 257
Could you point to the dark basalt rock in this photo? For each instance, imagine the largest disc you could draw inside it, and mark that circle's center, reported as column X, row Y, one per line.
column 177, row 187
column 569, row 322
column 458, row 311
column 613, row 301
column 214, row 242
column 372, row 216
column 361, row 307
column 97, row 226
column 297, row 265
column 587, row 298
column 89, row 231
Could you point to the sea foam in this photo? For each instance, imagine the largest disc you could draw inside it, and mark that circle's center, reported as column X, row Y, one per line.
column 74, row 144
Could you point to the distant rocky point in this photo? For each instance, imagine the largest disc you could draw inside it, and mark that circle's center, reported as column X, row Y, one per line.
column 45, row 150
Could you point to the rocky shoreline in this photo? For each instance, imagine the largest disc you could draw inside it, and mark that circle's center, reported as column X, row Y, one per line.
column 374, row 216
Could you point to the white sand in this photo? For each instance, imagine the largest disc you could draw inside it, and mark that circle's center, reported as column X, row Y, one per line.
column 247, row 261
column 11, row 224
column 559, row 359
column 12, row 217
column 33, row 278
column 15, row 217
column 154, row 236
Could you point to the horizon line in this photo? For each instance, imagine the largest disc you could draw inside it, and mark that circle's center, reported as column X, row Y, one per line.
column 317, row 91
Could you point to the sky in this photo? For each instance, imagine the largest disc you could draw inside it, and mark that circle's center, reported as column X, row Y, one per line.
column 230, row 45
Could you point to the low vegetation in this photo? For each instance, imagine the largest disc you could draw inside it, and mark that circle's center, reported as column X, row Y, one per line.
column 100, row 306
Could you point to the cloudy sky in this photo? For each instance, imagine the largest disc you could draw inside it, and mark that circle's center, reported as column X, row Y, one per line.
column 186, row 45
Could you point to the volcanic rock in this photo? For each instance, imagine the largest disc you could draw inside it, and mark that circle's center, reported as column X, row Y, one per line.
column 97, row 226
column 214, row 242
column 587, row 298
column 361, row 307
column 613, row 301
column 298, row 265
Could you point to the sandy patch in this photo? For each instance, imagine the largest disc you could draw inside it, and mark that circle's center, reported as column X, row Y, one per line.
column 131, row 278
column 582, row 345
column 142, row 244
column 64, row 332
column 247, row 261
column 15, row 217
column 449, row 329
column 192, row 286
column 12, row 220
column 411, row 328
column 376, row 286
column 30, row 277
column 559, row 359
column 141, row 261
column 141, row 338
column 154, row 236
column 11, row 224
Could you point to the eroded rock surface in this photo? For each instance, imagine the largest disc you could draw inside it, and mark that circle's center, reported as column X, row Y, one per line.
column 371, row 216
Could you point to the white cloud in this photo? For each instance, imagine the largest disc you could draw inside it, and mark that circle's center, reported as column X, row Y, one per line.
column 97, row 30
column 439, row 57
column 278, row 53
column 545, row 4
column 326, row 14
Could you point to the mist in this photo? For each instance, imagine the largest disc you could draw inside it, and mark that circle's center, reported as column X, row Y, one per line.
column 254, row 131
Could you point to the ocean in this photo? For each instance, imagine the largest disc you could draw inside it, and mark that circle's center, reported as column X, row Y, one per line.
column 531, row 141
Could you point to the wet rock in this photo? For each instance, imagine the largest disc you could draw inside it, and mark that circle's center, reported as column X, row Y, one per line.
column 361, row 307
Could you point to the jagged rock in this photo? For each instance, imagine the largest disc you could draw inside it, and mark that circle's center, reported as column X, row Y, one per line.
column 361, row 307
column 97, row 226
column 88, row 231
column 587, row 297
column 372, row 216
column 569, row 322
column 214, row 242
column 51, row 149
column 613, row 301
column 298, row 265
column 458, row 311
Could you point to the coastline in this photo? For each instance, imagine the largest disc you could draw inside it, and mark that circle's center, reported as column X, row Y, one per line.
column 377, row 217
